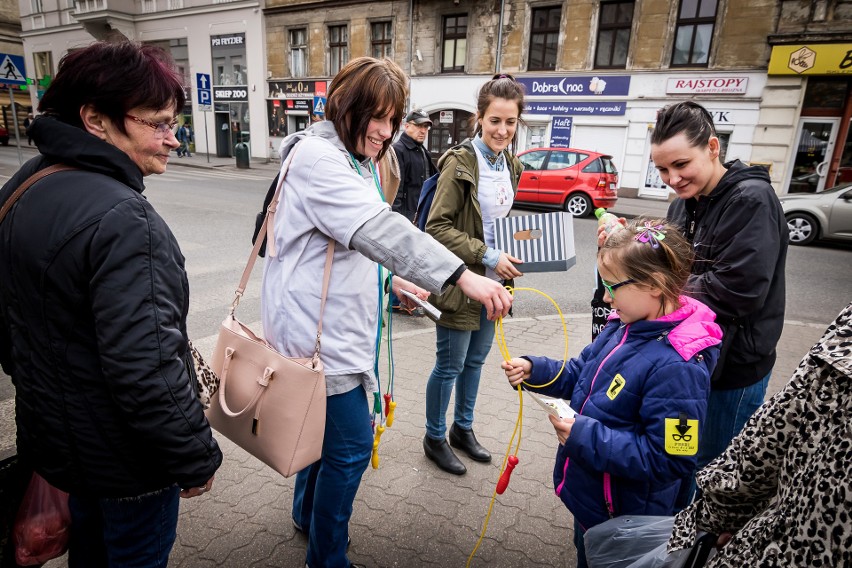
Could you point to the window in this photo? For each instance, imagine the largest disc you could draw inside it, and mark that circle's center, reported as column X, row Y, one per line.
column 381, row 39
column 561, row 160
column 149, row 6
column 454, row 50
column 533, row 160
column 175, row 4
column 544, row 38
column 694, row 32
column 614, row 34
column 43, row 64
column 298, row 52
column 36, row 6
column 338, row 48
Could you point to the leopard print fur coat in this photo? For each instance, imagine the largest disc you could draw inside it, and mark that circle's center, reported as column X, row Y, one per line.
column 783, row 487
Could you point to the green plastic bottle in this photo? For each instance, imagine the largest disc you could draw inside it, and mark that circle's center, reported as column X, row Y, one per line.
column 608, row 221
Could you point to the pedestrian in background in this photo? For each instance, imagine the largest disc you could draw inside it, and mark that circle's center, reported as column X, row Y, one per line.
column 184, row 136
column 732, row 217
column 332, row 191
column 93, row 323
column 415, row 166
column 27, row 121
column 477, row 185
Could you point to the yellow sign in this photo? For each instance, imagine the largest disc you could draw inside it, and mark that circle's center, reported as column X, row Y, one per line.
column 615, row 386
column 681, row 436
column 811, row 59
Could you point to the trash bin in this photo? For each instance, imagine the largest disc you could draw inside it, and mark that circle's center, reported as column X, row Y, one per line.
column 241, row 151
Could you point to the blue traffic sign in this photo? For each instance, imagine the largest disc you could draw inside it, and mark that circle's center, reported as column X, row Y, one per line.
column 205, row 97
column 202, row 81
column 12, row 69
column 319, row 106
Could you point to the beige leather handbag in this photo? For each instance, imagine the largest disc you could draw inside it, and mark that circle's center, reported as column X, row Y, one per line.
column 269, row 404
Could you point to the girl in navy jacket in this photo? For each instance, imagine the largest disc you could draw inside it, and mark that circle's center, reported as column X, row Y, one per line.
column 639, row 390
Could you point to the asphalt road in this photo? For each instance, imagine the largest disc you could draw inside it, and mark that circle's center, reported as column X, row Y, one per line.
column 212, row 213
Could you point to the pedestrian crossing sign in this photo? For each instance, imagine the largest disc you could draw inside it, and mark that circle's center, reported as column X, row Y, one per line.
column 319, row 106
column 12, row 69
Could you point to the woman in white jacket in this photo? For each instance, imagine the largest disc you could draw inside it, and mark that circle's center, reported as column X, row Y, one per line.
column 333, row 190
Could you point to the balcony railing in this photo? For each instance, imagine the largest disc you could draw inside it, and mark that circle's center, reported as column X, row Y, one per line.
column 84, row 6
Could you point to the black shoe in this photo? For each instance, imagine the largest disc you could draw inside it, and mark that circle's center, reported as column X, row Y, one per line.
column 466, row 442
column 439, row 452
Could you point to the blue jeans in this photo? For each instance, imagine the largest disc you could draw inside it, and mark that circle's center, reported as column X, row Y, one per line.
column 458, row 361
column 135, row 532
column 727, row 413
column 324, row 491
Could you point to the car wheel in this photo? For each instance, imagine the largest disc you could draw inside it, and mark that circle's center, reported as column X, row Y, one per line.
column 578, row 205
column 803, row 228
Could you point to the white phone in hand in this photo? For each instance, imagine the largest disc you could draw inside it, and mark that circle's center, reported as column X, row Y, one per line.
column 429, row 308
column 555, row 406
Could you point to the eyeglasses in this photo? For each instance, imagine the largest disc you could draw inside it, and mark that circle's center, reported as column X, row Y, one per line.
column 161, row 129
column 611, row 288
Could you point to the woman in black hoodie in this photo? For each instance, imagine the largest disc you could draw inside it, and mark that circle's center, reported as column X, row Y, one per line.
column 734, row 220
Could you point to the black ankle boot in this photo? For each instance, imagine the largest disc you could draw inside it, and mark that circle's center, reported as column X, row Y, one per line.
column 466, row 442
column 439, row 452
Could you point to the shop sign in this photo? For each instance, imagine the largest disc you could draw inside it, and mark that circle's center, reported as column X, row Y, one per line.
column 811, row 59
column 578, row 86
column 616, row 108
column 560, row 131
column 296, row 89
column 226, row 40
column 230, row 94
column 300, row 105
column 706, row 85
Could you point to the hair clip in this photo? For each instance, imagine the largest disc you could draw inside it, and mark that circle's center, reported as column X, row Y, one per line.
column 652, row 235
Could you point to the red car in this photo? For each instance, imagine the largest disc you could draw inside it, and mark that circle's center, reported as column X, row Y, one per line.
column 578, row 181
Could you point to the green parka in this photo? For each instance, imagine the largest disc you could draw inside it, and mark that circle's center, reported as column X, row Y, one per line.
column 455, row 221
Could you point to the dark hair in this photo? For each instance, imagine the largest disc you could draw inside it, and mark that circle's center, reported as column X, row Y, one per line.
column 665, row 266
column 501, row 86
column 688, row 117
column 113, row 78
column 364, row 89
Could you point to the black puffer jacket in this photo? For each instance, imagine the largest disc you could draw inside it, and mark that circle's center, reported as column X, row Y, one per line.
column 415, row 167
column 93, row 305
column 740, row 239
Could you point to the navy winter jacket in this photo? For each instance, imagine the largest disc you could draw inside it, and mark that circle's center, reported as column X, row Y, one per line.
column 640, row 392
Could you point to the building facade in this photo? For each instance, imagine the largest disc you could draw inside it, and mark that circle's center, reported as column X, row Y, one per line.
column 220, row 41
column 596, row 72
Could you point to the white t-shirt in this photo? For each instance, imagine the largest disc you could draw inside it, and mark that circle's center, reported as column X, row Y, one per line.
column 494, row 191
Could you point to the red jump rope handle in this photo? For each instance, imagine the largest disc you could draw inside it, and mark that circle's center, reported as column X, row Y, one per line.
column 387, row 403
column 507, row 473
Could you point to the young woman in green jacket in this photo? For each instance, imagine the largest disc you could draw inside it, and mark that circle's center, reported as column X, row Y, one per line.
column 477, row 184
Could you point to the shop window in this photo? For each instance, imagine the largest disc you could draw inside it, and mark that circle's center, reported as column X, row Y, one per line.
column 454, row 50
column 614, row 26
column 381, row 39
column 694, row 32
column 298, row 52
column 338, row 48
column 43, row 64
column 544, row 38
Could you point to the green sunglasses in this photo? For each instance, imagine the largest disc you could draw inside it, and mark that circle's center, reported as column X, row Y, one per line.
column 611, row 288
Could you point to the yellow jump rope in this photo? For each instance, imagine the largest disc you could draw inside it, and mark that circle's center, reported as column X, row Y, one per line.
column 510, row 460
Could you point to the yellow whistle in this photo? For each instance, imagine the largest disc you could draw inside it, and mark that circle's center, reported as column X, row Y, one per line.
column 375, row 458
column 389, row 419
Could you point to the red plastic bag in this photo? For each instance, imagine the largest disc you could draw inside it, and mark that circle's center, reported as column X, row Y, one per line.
column 42, row 526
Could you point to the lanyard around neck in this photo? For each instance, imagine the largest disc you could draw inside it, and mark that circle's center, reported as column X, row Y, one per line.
column 372, row 171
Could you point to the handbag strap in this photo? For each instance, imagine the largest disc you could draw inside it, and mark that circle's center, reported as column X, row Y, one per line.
column 28, row 182
column 268, row 225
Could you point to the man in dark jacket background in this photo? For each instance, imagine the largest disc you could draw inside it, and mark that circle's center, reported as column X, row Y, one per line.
column 415, row 163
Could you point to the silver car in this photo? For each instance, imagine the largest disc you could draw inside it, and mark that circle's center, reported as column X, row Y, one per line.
column 825, row 215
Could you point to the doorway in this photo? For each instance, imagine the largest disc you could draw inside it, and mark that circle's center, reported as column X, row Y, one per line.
column 449, row 127
column 812, row 154
column 223, row 135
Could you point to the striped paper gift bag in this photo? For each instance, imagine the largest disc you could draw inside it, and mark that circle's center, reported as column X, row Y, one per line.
column 545, row 242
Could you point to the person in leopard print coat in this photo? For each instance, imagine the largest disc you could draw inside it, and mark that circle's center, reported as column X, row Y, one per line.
column 781, row 494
